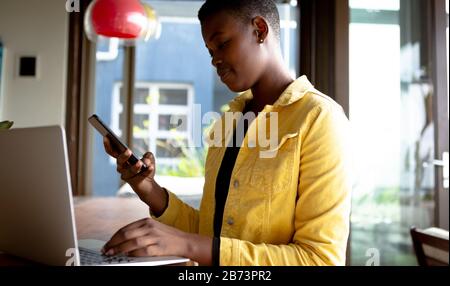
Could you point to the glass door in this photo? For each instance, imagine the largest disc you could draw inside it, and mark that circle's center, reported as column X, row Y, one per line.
column 392, row 105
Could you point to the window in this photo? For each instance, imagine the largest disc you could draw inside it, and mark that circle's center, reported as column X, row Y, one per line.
column 158, row 107
column 174, row 81
column 373, row 91
column 391, row 112
column 374, row 6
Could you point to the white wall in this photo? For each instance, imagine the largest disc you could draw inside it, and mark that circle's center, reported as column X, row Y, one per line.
column 34, row 27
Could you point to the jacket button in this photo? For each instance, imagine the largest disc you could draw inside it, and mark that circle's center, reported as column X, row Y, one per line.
column 230, row 221
column 236, row 184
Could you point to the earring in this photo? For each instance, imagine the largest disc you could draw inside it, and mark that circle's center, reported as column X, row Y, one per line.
column 260, row 40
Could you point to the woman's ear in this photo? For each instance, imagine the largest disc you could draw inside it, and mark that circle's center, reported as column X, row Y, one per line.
column 261, row 28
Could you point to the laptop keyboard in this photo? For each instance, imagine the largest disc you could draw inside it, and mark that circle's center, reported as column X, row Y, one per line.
column 91, row 257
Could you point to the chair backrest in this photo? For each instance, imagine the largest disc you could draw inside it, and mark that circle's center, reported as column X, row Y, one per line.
column 431, row 246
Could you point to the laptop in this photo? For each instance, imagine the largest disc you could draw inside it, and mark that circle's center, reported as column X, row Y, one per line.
column 36, row 207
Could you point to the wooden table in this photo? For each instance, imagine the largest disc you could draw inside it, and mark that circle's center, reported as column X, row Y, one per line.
column 97, row 218
column 100, row 218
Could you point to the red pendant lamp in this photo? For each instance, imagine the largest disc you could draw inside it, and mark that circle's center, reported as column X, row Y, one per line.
column 123, row 19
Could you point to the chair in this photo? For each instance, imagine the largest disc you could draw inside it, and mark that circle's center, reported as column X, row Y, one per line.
column 431, row 246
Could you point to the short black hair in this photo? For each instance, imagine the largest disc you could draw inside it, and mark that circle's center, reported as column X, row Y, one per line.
column 245, row 10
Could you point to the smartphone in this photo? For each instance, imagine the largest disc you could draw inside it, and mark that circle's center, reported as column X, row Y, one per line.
column 118, row 145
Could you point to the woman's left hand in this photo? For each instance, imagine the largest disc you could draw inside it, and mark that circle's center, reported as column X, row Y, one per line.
column 147, row 237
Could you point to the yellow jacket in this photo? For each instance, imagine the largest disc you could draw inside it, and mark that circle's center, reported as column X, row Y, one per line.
column 291, row 209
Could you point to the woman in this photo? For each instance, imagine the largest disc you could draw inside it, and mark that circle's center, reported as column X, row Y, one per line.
column 291, row 208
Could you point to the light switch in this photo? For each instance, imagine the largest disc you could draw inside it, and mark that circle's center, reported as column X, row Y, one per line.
column 27, row 66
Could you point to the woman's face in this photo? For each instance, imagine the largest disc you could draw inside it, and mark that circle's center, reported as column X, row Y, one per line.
column 234, row 49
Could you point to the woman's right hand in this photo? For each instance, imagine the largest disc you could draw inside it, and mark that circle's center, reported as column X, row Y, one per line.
column 143, row 183
column 139, row 181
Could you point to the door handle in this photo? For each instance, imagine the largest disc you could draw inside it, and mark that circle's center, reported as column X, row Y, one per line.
column 444, row 165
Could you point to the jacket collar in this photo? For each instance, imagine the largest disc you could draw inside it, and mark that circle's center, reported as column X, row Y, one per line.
column 292, row 94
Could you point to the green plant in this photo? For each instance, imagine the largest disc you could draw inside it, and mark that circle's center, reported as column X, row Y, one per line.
column 387, row 195
column 192, row 163
column 6, row 125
